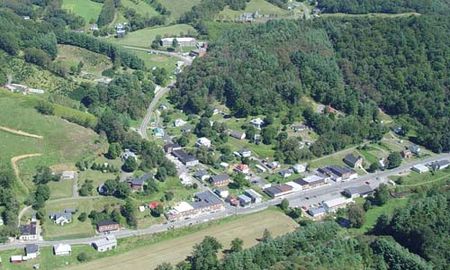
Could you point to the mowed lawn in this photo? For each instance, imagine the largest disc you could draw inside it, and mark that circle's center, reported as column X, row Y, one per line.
column 153, row 60
column 248, row 228
column 87, row 9
column 178, row 7
column 144, row 37
column 263, row 7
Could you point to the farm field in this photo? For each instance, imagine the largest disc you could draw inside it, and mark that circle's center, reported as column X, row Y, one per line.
column 178, row 7
column 93, row 63
column 153, row 60
column 87, row 9
column 263, row 7
column 62, row 143
column 141, row 7
column 248, row 228
column 144, row 37
column 416, row 179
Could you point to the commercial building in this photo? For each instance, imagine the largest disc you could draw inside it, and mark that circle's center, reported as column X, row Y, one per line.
column 62, row 249
column 182, row 41
column 278, row 190
column 311, row 181
column 253, row 195
column 105, row 244
column 185, row 158
column 205, row 202
column 336, row 203
column 358, row 191
column 420, row 168
column 107, row 226
column 338, row 173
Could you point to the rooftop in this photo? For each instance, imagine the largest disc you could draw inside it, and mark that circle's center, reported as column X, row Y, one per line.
column 205, row 199
column 106, row 223
column 183, row 156
column 109, row 240
column 362, row 189
column 28, row 229
column 31, row 248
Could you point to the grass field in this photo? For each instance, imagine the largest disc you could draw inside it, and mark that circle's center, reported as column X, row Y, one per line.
column 87, row 9
column 62, row 143
column 61, row 189
column 417, row 179
column 248, row 228
column 178, row 7
column 263, row 7
column 141, row 7
column 76, row 228
column 153, row 60
column 144, row 37
column 94, row 63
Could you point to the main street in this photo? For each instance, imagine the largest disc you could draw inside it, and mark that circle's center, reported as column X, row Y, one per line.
column 301, row 198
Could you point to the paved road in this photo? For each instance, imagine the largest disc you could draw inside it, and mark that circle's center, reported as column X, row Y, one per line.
column 302, row 198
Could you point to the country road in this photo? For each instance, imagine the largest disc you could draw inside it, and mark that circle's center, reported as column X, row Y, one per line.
column 301, row 198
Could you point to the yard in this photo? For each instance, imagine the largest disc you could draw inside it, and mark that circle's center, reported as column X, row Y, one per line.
column 154, row 60
column 87, row 9
column 249, row 228
column 144, row 37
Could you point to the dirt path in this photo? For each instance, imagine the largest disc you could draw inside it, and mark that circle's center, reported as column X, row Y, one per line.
column 16, row 159
column 20, row 132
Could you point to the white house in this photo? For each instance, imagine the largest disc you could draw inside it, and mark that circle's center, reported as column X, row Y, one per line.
column 179, row 122
column 245, row 153
column 223, row 193
column 203, row 141
column 128, row 154
column 68, row 175
column 105, row 244
column 336, row 203
column 257, row 122
column 420, row 168
column 299, row 168
column 62, row 249
column 31, row 251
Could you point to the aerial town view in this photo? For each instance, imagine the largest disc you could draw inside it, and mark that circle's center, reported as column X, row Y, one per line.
column 225, row 134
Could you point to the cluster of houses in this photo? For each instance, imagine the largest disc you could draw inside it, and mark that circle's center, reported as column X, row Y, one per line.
column 32, row 251
column 204, row 202
column 247, row 198
column 433, row 166
column 176, row 150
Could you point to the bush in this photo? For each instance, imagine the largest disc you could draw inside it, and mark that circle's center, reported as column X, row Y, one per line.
column 83, row 257
column 45, row 108
column 82, row 217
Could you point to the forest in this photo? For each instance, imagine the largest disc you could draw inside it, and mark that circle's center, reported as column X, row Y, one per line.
column 383, row 6
column 354, row 65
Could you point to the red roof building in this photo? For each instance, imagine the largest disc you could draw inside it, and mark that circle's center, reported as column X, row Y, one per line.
column 153, row 205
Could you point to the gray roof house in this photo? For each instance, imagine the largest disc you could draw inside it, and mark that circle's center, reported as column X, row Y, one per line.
column 353, row 161
column 358, row 191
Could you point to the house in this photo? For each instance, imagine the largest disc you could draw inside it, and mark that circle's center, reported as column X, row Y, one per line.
column 353, row 161
column 93, row 27
column 202, row 175
column 137, row 184
column 399, row 131
column 440, row 164
column 233, row 201
column 168, row 148
column 242, row 168
column 179, row 122
column 153, row 205
column 29, row 232
column 336, row 203
column 158, row 132
column 203, row 141
column 257, row 123
column 224, row 165
column 311, row 181
column 240, row 135
column 260, row 168
column 182, row 41
column 299, row 128
column 245, row 153
column 278, row 190
column 62, row 249
column 128, row 154
column 255, row 196
column 223, row 193
column 273, row 165
column 299, row 168
column 220, row 180
column 295, row 186
column 105, row 244
column 61, row 218
column 186, row 179
column 120, row 30
column 286, row 173
column 68, row 175
column 31, row 251
column 185, row 158
column 406, row 153
column 317, row 212
column 107, row 226
column 244, row 200
column 358, row 191
column 186, row 128
column 338, row 173
column 420, row 168
column 14, row 259
column 415, row 149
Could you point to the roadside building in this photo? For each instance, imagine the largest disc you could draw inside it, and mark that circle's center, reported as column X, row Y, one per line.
column 338, row 173
column 353, row 161
column 107, row 226
column 203, row 142
column 440, row 164
column 61, row 218
column 168, row 148
column 244, row 200
column 245, row 153
column 358, row 191
column 295, row 187
column 220, row 180
column 15, row 259
column 317, row 212
column 181, row 41
column 233, row 201
column 223, row 193
column 420, row 168
column 202, row 175
column 29, row 232
column 185, row 158
column 239, row 135
column 406, row 153
column 253, row 195
column 260, row 168
column 68, row 175
column 204, row 202
column 278, row 190
column 334, row 204
column 62, row 249
column 311, row 181
column 105, row 244
column 31, row 251
column 415, row 149
column 286, row 173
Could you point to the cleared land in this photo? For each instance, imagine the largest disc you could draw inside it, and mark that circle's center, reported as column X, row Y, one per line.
column 144, row 37
column 248, row 228
column 87, row 9
column 141, row 7
column 153, row 60
column 263, row 7
column 93, row 63
column 178, row 7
